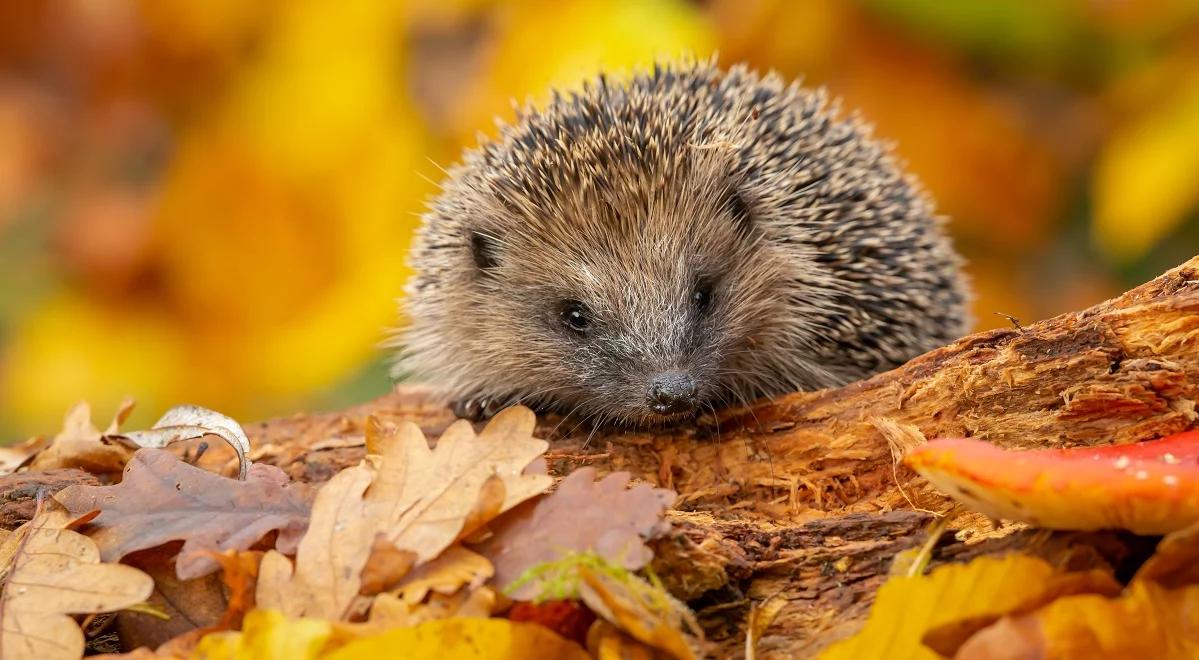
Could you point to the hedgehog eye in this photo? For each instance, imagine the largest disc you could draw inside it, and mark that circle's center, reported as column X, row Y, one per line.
column 701, row 297
column 575, row 316
column 483, row 250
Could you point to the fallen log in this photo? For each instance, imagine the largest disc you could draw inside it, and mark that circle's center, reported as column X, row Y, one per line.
column 801, row 497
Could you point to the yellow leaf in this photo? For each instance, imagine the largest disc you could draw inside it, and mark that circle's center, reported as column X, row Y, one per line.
column 1145, row 176
column 51, row 572
column 463, row 639
column 906, row 607
column 267, row 635
column 1148, row 621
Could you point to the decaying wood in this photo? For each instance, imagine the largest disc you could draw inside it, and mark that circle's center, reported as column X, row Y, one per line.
column 801, row 496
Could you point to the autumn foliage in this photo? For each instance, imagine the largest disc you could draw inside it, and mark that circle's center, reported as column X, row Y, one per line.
column 210, row 201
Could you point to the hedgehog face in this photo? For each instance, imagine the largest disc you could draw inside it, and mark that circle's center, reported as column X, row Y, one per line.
column 640, row 314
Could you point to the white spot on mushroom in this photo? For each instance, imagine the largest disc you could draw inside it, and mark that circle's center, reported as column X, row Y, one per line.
column 1171, row 459
column 1170, row 480
column 1122, row 462
column 1141, row 474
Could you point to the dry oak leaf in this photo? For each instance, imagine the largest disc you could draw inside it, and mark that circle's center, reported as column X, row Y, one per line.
column 430, row 494
column 162, row 499
column 50, row 572
column 81, row 445
column 419, row 500
column 1148, row 488
column 581, row 515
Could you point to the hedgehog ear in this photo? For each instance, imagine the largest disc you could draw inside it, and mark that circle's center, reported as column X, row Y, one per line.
column 484, row 250
column 735, row 204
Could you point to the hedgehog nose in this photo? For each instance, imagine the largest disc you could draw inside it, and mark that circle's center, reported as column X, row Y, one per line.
column 671, row 392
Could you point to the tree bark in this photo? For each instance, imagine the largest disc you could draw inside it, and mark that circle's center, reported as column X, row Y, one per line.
column 802, row 498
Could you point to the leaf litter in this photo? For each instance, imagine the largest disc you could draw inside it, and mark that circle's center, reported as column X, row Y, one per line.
column 417, row 541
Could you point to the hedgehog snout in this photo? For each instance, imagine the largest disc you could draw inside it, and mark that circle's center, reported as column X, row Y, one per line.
column 671, row 393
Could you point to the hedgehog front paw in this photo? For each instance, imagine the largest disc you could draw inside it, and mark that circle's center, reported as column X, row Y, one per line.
column 479, row 408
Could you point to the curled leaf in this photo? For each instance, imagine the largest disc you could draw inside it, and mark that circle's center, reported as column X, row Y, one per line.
column 186, row 422
column 1148, row 488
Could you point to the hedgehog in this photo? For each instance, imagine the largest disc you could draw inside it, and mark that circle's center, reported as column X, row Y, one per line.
column 641, row 252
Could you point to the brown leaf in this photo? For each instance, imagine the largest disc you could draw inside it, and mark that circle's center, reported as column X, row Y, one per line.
column 53, row 572
column 582, row 515
column 419, row 499
column 453, row 569
column 191, row 605
column 163, row 499
column 81, row 445
column 239, row 573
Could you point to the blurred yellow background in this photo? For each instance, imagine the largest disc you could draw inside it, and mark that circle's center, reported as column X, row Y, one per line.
column 210, row 202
